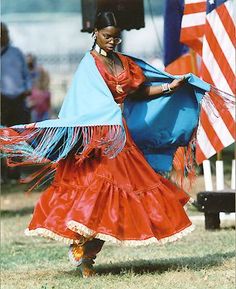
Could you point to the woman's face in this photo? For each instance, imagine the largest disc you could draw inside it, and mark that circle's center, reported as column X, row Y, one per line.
column 107, row 38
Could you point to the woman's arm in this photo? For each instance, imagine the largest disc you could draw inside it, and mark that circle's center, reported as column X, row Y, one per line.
column 149, row 91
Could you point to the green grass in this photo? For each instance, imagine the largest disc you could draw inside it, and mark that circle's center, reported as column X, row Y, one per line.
column 202, row 260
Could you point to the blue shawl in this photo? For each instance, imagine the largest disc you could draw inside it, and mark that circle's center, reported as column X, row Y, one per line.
column 158, row 126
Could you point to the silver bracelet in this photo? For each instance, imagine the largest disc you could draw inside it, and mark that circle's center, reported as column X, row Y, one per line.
column 166, row 88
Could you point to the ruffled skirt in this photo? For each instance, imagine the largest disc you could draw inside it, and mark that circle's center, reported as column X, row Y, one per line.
column 122, row 200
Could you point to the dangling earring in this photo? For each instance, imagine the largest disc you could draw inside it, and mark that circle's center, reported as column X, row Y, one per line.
column 95, row 39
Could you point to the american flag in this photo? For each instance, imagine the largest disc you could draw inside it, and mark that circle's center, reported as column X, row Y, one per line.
column 193, row 24
column 209, row 29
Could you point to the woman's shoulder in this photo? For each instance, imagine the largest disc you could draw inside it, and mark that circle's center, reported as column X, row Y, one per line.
column 134, row 69
column 124, row 56
column 133, row 66
column 128, row 59
column 86, row 60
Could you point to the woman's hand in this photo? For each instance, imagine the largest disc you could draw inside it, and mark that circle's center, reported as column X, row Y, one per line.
column 176, row 83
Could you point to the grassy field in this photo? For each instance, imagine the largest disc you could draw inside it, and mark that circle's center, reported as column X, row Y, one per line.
column 202, row 260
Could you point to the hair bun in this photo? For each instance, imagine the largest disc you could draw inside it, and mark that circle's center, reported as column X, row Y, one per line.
column 105, row 19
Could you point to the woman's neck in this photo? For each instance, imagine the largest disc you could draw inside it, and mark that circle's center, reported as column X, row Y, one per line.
column 102, row 52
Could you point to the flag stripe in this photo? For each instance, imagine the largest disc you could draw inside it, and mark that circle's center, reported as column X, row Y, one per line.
column 218, row 78
column 230, row 8
column 209, row 130
column 228, row 23
column 215, row 39
column 195, row 8
column 187, row 2
column 192, row 32
column 204, row 143
column 226, row 46
column 219, row 103
column 192, row 26
column 191, row 36
column 200, row 157
column 221, row 107
column 216, row 124
column 193, row 19
column 220, row 58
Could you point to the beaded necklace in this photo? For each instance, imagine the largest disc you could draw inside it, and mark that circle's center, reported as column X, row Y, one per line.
column 111, row 64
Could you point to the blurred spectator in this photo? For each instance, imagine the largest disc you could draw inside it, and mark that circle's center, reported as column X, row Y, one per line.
column 39, row 100
column 15, row 87
column 15, row 83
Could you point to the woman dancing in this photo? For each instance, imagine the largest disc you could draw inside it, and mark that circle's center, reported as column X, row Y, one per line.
column 106, row 186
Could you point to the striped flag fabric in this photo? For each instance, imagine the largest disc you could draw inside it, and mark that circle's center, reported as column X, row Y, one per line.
column 211, row 33
column 218, row 47
column 193, row 24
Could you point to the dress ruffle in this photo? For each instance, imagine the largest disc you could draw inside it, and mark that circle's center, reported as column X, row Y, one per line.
column 107, row 212
column 121, row 200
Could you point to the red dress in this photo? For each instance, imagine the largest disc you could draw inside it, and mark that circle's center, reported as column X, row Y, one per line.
column 122, row 200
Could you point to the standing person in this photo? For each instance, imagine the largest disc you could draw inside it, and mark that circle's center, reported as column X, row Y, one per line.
column 105, row 188
column 39, row 100
column 15, row 82
column 15, row 87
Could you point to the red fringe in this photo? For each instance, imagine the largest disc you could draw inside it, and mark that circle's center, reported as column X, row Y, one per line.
column 184, row 171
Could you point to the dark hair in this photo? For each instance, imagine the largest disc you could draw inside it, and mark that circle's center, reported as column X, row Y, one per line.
column 4, row 27
column 5, row 39
column 105, row 19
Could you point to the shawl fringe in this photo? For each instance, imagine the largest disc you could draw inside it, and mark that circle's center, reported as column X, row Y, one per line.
column 216, row 102
column 30, row 145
